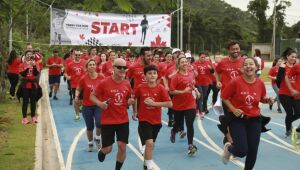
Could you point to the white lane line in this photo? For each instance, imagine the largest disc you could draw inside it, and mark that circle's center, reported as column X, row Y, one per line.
column 280, row 140
column 219, row 152
column 278, row 124
column 54, row 130
column 213, row 144
column 72, row 149
column 140, row 147
column 268, row 141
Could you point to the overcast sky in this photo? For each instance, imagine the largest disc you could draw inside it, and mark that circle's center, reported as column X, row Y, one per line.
column 292, row 13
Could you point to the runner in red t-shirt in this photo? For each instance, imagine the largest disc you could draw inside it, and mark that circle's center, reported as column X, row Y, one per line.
column 242, row 95
column 113, row 96
column 13, row 64
column 286, row 90
column 103, row 61
column 295, row 89
column 184, row 104
column 75, row 70
column 90, row 112
column 93, row 55
column 29, row 71
column 107, row 68
column 272, row 75
column 150, row 97
column 68, row 58
column 54, row 63
column 228, row 69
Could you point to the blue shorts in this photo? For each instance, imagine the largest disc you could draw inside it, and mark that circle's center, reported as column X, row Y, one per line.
column 54, row 79
column 92, row 116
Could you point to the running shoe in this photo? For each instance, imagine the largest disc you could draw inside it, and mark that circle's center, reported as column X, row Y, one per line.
column 226, row 154
column 170, row 123
column 279, row 111
column 182, row 134
column 77, row 117
column 192, row 149
column 98, row 143
column 90, row 147
column 270, row 106
column 55, row 98
column 145, row 165
column 80, row 108
column 201, row 115
column 25, row 121
column 206, row 111
column 101, row 155
column 172, row 137
column 50, row 94
column 288, row 133
column 34, row 119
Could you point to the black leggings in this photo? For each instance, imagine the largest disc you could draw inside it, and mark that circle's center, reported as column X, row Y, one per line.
column 290, row 106
column 189, row 116
column 245, row 135
column 29, row 94
column 215, row 90
column 13, row 80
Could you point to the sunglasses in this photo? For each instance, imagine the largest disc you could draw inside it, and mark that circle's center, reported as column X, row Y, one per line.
column 121, row 67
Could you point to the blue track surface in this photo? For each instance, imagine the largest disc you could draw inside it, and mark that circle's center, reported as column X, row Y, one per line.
column 273, row 154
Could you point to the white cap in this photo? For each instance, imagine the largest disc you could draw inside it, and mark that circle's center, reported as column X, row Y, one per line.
column 175, row 50
column 188, row 55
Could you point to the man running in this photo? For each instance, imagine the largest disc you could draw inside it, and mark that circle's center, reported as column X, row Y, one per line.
column 54, row 63
column 114, row 100
column 144, row 25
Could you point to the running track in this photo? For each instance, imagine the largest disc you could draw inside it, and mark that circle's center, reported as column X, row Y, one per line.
column 275, row 151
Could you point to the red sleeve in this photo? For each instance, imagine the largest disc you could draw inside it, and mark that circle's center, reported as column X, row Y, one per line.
column 218, row 68
column 173, row 83
column 81, row 82
column 164, row 94
column 228, row 91
column 272, row 72
column 293, row 71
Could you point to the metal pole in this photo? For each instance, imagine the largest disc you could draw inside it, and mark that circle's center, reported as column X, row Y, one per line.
column 274, row 32
column 27, row 34
column 181, row 25
column 10, row 31
column 177, row 25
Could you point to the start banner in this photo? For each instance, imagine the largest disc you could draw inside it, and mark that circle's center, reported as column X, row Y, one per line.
column 72, row 27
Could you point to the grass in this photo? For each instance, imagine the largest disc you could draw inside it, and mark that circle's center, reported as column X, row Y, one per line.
column 264, row 75
column 17, row 141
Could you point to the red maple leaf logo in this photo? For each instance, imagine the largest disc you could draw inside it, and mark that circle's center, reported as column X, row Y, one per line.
column 158, row 42
column 129, row 44
column 81, row 36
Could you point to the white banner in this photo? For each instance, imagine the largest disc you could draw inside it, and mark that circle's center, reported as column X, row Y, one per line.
column 71, row 27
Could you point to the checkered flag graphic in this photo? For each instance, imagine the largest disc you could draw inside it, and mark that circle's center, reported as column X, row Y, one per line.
column 92, row 41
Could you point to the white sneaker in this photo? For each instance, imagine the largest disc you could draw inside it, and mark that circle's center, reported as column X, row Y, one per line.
column 98, row 143
column 226, row 154
column 90, row 147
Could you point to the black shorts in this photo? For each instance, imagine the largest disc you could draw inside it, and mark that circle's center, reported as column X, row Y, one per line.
column 54, row 79
column 108, row 133
column 80, row 95
column 148, row 131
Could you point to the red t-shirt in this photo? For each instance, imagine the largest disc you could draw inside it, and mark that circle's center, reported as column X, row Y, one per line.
column 97, row 58
column 88, row 85
column 148, row 113
column 54, row 70
column 203, row 78
column 184, row 101
column 170, row 72
column 119, row 93
column 229, row 69
column 107, row 69
column 14, row 66
column 284, row 90
column 76, row 70
column 245, row 96
column 136, row 72
column 273, row 72
column 29, row 76
column 295, row 75
column 38, row 58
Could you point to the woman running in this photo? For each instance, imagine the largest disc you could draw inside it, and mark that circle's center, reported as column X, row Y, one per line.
column 242, row 96
column 272, row 75
column 90, row 112
column 29, row 84
column 13, row 72
column 184, row 104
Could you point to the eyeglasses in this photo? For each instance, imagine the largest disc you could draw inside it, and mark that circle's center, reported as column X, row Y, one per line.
column 121, row 67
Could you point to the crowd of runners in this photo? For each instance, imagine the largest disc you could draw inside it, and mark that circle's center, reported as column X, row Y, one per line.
column 104, row 85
